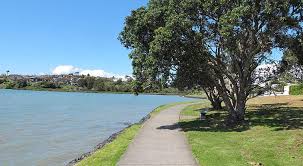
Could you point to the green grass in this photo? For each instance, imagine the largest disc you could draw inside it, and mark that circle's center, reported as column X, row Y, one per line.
column 163, row 107
column 197, row 95
column 194, row 109
column 272, row 134
column 296, row 89
column 110, row 154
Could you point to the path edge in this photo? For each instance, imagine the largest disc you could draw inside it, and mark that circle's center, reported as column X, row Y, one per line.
column 183, row 133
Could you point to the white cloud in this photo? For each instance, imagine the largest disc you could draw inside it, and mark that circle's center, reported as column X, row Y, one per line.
column 67, row 69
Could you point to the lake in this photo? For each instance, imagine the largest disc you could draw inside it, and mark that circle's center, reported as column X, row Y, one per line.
column 52, row 128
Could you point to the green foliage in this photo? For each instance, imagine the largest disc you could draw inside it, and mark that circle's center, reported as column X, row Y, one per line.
column 170, row 90
column 82, row 82
column 69, row 88
column 46, row 84
column 21, row 84
column 99, row 85
column 90, row 82
column 10, row 85
column 296, row 89
column 294, row 43
column 213, row 45
column 87, row 83
column 2, row 81
column 289, row 59
column 290, row 67
column 105, row 84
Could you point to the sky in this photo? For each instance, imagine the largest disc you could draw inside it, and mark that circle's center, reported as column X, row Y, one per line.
column 63, row 36
column 39, row 37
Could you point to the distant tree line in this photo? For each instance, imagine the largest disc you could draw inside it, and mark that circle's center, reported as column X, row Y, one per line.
column 105, row 84
column 87, row 83
column 24, row 84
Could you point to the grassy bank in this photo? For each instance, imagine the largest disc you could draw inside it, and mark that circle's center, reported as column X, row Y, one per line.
column 273, row 134
column 110, row 154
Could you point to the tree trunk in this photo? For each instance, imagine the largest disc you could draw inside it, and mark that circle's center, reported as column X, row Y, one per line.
column 237, row 116
column 214, row 98
column 216, row 103
column 233, row 92
column 237, row 113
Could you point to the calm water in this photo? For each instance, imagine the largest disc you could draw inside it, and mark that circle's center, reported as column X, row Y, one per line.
column 52, row 128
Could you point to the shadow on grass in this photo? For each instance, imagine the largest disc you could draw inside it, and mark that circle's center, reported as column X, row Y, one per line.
column 277, row 116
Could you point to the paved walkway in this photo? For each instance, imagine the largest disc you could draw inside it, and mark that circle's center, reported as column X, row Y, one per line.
column 160, row 142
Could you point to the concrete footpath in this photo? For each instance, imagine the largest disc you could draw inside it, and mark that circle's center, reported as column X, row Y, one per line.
column 160, row 142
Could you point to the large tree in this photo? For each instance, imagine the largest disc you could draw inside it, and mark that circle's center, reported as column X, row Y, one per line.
column 217, row 44
column 175, row 66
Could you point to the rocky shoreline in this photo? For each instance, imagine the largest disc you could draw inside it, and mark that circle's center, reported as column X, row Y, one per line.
column 105, row 142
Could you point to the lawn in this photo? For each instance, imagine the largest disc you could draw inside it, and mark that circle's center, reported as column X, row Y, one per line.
column 272, row 134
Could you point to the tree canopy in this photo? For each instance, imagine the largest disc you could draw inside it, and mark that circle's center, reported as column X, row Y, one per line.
column 216, row 45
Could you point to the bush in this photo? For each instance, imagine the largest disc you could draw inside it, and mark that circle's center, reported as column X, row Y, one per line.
column 99, row 85
column 2, row 81
column 170, row 90
column 21, row 84
column 49, row 85
column 68, row 88
column 10, row 85
column 87, row 82
column 45, row 84
column 296, row 89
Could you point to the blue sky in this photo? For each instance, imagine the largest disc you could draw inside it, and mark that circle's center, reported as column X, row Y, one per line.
column 37, row 36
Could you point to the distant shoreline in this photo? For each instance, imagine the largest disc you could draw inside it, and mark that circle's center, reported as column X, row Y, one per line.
column 107, row 92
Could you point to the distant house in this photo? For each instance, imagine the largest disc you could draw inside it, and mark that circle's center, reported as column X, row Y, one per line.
column 296, row 72
column 265, row 74
column 15, row 77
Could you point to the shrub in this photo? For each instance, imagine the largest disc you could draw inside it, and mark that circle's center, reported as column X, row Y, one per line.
column 49, row 85
column 10, row 85
column 46, row 84
column 21, row 84
column 2, row 81
column 296, row 89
